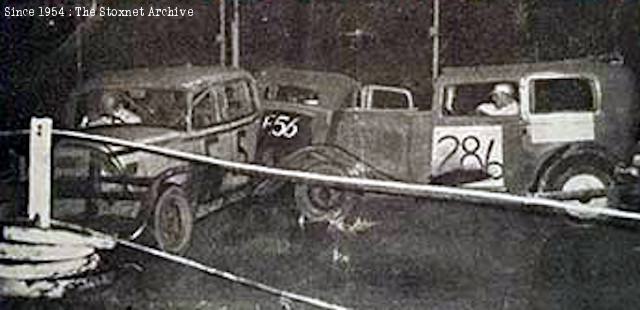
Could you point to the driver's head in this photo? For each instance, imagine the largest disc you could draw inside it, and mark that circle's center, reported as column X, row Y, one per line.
column 109, row 102
column 502, row 94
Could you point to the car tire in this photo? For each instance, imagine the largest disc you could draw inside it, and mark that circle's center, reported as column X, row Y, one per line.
column 581, row 174
column 319, row 203
column 172, row 221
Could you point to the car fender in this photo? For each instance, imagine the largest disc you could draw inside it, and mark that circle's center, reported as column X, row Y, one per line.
column 174, row 176
column 561, row 155
column 311, row 155
column 304, row 158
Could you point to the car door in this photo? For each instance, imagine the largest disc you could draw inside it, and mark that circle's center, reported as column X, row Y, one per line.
column 469, row 148
column 208, row 126
column 560, row 108
column 377, row 131
column 238, row 113
column 208, row 130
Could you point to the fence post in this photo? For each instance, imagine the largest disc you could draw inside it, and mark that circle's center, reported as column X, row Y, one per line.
column 39, row 206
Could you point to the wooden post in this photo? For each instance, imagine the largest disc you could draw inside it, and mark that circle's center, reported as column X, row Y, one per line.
column 79, row 55
column 222, row 36
column 435, row 34
column 39, row 206
column 235, row 35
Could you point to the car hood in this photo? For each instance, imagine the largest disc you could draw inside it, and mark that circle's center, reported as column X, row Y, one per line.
column 136, row 133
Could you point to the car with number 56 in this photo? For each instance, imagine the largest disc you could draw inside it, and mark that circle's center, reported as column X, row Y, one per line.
column 299, row 106
column 575, row 120
column 210, row 111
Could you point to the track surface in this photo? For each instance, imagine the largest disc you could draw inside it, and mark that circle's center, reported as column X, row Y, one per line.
column 420, row 255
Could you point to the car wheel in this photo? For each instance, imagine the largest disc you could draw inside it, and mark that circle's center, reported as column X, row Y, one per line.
column 172, row 221
column 324, row 203
column 582, row 175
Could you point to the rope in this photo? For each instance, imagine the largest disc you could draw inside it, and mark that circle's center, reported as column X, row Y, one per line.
column 14, row 133
column 231, row 277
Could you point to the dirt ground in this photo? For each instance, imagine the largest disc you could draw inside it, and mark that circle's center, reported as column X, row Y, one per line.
column 420, row 254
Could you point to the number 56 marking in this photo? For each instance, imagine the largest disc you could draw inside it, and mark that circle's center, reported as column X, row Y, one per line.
column 281, row 125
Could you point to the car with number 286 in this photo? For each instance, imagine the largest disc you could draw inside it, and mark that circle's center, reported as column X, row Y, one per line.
column 575, row 120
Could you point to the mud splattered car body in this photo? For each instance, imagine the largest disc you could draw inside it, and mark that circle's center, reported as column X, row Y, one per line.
column 301, row 106
column 576, row 119
column 204, row 110
column 578, row 112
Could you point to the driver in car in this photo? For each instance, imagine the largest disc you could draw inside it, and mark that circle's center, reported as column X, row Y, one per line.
column 502, row 102
column 114, row 112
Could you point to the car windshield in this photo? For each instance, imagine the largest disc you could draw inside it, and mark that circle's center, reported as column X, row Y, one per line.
column 164, row 108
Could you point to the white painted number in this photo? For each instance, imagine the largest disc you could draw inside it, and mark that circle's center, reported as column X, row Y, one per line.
column 469, row 148
column 281, row 125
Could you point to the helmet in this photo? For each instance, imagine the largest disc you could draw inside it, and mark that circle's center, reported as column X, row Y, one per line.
column 504, row 88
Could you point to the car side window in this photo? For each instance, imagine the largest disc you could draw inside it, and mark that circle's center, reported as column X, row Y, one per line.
column 238, row 100
column 465, row 99
column 563, row 95
column 205, row 109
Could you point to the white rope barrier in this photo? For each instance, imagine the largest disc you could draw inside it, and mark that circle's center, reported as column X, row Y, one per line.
column 390, row 187
column 231, row 277
column 14, row 133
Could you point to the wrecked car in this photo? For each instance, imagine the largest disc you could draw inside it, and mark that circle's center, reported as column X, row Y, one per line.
column 625, row 192
column 203, row 110
column 300, row 105
column 572, row 122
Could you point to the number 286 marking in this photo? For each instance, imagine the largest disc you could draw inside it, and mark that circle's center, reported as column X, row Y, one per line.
column 470, row 145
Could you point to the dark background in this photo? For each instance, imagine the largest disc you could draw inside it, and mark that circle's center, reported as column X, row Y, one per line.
column 38, row 54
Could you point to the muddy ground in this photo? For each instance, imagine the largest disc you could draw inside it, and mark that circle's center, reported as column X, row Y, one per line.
column 421, row 254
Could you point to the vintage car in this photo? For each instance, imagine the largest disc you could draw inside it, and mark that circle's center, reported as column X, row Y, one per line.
column 625, row 193
column 299, row 106
column 203, row 110
column 575, row 120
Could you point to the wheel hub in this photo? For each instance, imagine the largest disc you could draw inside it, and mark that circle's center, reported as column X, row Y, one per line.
column 585, row 182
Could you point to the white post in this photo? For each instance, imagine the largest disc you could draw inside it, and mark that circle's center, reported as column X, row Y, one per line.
column 40, row 171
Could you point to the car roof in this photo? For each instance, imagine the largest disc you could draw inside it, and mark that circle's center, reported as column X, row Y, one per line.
column 171, row 78
column 332, row 87
column 513, row 72
column 303, row 77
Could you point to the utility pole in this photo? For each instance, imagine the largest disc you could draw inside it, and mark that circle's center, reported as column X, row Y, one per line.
column 79, row 33
column 235, row 35
column 79, row 45
column 435, row 35
column 222, row 36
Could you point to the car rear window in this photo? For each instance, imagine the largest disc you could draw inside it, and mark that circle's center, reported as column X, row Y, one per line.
column 294, row 94
column 563, row 95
